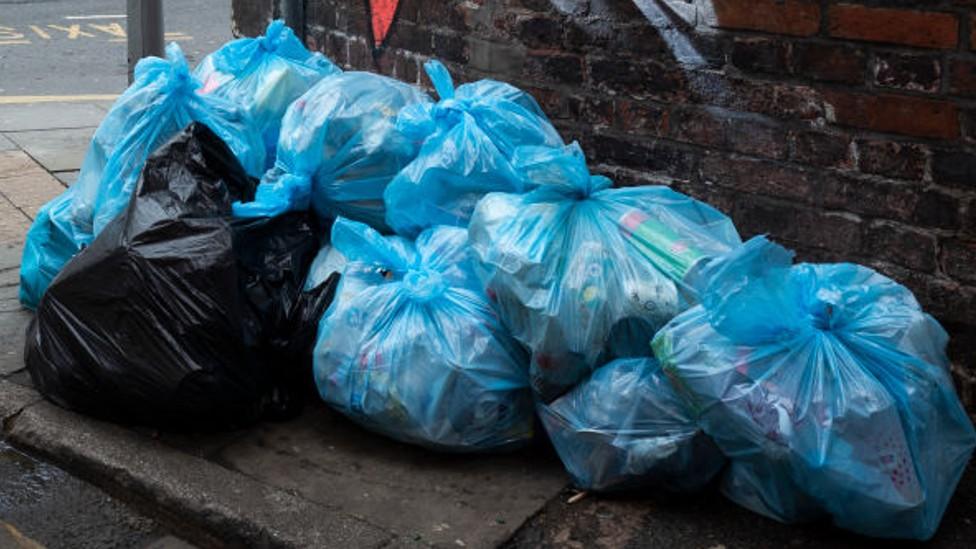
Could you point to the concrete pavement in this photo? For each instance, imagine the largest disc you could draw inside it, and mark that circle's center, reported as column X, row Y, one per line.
column 319, row 480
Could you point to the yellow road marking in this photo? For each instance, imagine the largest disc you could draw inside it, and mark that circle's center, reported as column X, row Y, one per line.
column 74, row 31
column 10, row 33
column 40, row 32
column 114, row 29
column 25, row 99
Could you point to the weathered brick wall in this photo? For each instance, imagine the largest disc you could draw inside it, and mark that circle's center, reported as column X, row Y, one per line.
column 846, row 130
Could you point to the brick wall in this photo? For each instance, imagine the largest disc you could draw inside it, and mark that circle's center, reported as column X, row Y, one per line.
column 844, row 129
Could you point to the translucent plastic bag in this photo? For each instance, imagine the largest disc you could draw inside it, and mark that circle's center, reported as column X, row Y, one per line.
column 583, row 273
column 338, row 150
column 412, row 349
column 161, row 101
column 264, row 75
column 624, row 428
column 468, row 140
column 328, row 261
column 828, row 387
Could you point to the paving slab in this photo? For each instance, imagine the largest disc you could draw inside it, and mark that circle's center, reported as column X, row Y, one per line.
column 708, row 520
column 13, row 318
column 14, row 398
column 13, row 326
column 45, row 116
column 6, row 144
column 16, row 162
column 13, row 223
column 67, row 178
column 57, row 150
column 427, row 497
column 30, row 190
column 214, row 503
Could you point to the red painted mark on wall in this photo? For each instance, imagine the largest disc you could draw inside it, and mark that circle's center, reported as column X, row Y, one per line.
column 382, row 13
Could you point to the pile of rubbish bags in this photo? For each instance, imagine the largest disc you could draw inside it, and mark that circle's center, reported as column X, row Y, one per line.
column 447, row 272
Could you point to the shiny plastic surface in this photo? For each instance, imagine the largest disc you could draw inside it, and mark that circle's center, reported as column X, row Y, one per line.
column 161, row 101
column 328, row 261
column 583, row 273
column 468, row 140
column 263, row 75
column 177, row 316
column 412, row 349
column 624, row 428
column 827, row 387
column 339, row 148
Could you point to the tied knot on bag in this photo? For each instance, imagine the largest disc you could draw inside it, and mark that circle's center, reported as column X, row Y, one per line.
column 423, row 284
column 591, row 185
column 273, row 36
column 448, row 112
column 822, row 316
column 178, row 78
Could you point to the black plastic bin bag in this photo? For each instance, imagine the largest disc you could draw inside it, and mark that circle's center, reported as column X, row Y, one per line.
column 174, row 316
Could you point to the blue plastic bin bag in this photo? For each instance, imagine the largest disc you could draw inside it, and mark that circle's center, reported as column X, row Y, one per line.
column 468, row 140
column 827, row 386
column 583, row 273
column 329, row 260
column 411, row 348
column 264, row 75
column 624, row 428
column 338, row 150
column 161, row 101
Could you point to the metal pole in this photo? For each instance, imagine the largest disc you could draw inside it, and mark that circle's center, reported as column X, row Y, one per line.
column 145, row 30
column 293, row 12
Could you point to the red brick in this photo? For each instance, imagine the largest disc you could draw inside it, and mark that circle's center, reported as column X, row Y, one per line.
column 904, row 246
column 796, row 17
column 758, row 177
column 829, row 62
column 779, row 100
column 958, row 259
column 869, row 197
column 717, row 128
column 972, row 32
column 704, row 127
column 894, row 114
column 826, row 150
column 893, row 159
column 908, row 72
column 962, row 77
column 760, row 55
column 895, row 26
column 640, row 118
column 939, row 209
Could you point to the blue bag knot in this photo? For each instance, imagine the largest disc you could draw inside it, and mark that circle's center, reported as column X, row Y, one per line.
column 823, row 315
column 423, row 284
column 594, row 184
column 448, row 113
column 178, row 79
column 274, row 35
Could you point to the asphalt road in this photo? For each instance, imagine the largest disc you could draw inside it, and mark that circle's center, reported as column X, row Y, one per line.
column 72, row 47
